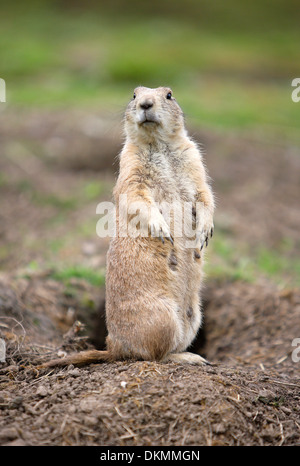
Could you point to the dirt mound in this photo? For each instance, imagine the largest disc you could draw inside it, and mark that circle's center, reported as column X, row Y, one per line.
column 249, row 397
column 251, row 323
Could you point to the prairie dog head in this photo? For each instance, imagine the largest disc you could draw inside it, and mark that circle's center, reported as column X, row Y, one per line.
column 153, row 114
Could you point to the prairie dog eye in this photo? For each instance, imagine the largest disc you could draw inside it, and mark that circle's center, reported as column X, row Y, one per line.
column 134, row 95
column 169, row 95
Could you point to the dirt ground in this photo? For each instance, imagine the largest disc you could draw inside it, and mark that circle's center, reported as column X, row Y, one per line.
column 248, row 396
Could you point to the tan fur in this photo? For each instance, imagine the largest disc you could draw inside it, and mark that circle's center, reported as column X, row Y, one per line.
column 153, row 286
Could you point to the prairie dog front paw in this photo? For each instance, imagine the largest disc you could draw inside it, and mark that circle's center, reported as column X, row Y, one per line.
column 204, row 226
column 159, row 228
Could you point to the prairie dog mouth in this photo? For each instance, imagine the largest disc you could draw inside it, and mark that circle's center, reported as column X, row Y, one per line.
column 147, row 118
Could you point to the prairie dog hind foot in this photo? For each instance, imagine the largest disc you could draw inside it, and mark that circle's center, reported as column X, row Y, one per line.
column 187, row 358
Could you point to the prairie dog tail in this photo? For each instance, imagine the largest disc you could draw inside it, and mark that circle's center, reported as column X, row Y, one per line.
column 79, row 359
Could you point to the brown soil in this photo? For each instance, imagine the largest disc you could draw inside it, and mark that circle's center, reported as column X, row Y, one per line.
column 248, row 396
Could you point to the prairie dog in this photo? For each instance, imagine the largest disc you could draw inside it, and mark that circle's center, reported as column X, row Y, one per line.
column 153, row 281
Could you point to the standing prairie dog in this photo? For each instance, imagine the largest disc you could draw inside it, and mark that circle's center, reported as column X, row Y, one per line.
column 153, row 280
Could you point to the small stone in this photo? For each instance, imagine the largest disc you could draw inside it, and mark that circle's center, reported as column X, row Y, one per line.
column 74, row 372
column 8, row 433
column 41, row 391
column 16, row 402
column 89, row 404
column 266, row 396
column 90, row 421
column 286, row 410
column 219, row 428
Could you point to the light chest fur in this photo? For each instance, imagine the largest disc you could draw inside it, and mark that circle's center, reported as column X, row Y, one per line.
column 164, row 170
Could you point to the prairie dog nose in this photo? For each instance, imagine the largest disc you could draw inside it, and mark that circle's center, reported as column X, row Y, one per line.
column 147, row 103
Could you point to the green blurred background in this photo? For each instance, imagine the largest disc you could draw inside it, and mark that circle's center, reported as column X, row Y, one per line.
column 230, row 64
